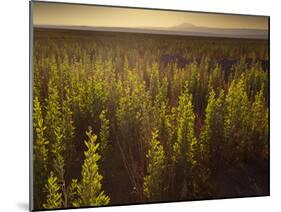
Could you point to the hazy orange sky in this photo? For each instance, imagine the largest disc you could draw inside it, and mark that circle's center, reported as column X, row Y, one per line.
column 83, row 15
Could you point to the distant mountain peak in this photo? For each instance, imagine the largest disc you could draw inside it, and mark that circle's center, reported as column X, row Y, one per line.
column 185, row 25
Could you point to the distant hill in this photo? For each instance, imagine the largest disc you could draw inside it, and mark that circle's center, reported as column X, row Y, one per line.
column 182, row 29
column 222, row 32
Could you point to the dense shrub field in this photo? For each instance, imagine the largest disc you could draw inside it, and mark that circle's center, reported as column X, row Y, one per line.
column 122, row 118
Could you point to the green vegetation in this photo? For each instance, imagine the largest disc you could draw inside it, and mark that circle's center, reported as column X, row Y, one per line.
column 89, row 189
column 153, row 182
column 128, row 118
column 54, row 197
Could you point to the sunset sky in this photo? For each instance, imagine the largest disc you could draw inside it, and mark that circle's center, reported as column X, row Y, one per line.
column 83, row 15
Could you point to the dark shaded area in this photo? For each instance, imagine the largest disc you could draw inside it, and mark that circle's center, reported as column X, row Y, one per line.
column 248, row 180
column 226, row 64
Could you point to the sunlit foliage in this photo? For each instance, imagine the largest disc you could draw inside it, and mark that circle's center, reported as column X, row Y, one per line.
column 175, row 117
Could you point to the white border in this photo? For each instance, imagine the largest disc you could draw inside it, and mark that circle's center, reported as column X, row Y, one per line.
column 14, row 105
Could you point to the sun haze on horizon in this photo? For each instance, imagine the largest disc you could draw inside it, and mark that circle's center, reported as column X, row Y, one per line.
column 87, row 15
